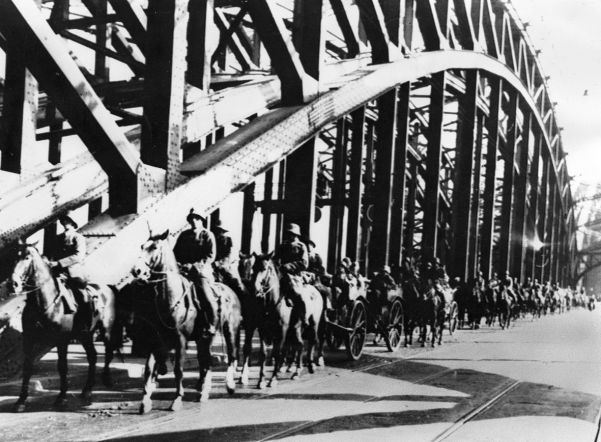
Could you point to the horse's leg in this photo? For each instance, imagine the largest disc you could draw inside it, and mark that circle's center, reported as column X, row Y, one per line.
column 229, row 334
column 149, row 385
column 112, row 341
column 248, row 337
column 87, row 341
column 298, row 352
column 27, row 372
column 321, row 340
column 311, row 348
column 277, row 354
column 178, row 372
column 61, row 350
column 203, row 347
column 261, row 383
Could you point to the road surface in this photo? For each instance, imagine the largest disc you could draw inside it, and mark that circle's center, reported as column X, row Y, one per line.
column 537, row 381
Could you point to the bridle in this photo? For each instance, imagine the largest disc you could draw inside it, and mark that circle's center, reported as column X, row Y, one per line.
column 28, row 289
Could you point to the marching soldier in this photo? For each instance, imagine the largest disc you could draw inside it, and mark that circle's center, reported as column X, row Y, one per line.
column 195, row 251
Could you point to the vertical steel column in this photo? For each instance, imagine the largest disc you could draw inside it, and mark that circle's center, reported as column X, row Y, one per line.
column 533, row 210
column 309, row 35
column 281, row 186
column 100, row 67
column 549, row 222
column 408, row 23
column 519, row 221
column 58, row 16
column 19, row 116
column 338, row 195
column 555, row 221
column 379, row 251
column 433, row 165
column 540, row 254
column 199, row 56
column 164, row 85
column 461, row 215
column 301, row 182
column 267, row 210
column 399, row 176
column 248, row 214
column 488, row 220
column 409, row 230
column 353, row 234
column 505, row 244
column 474, row 247
column 366, row 227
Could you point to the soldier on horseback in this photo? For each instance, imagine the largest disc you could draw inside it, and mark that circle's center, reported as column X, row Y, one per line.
column 508, row 284
column 293, row 259
column 224, row 266
column 383, row 283
column 68, row 264
column 195, row 252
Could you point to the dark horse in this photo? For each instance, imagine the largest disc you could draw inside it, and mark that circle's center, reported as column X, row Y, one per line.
column 166, row 316
column 412, row 306
column 280, row 324
column 504, row 308
column 48, row 322
column 431, row 314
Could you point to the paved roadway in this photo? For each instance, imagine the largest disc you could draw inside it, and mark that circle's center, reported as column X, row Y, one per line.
column 537, row 381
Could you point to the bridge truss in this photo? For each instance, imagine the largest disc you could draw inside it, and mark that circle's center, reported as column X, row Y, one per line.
column 385, row 128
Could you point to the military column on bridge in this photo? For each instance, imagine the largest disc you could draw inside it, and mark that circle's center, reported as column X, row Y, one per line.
column 384, row 129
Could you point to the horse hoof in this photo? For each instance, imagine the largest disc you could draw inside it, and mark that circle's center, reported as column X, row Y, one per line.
column 203, row 397
column 243, row 380
column 320, row 362
column 296, row 375
column 107, row 380
column 176, row 405
column 311, row 368
column 230, row 387
column 289, row 369
column 19, row 407
column 145, row 407
column 272, row 383
column 261, row 385
column 60, row 402
column 86, row 396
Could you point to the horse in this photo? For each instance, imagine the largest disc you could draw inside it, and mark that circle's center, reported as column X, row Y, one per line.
column 282, row 325
column 167, row 315
column 504, row 308
column 48, row 321
column 411, row 307
column 433, row 315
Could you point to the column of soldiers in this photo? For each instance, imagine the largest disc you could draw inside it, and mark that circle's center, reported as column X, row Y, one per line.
column 204, row 254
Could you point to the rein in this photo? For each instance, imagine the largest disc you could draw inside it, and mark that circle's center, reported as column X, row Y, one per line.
column 155, row 283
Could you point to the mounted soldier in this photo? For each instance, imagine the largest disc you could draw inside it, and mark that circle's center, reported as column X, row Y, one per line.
column 195, row 251
column 507, row 284
column 224, row 264
column 293, row 259
column 68, row 264
column 382, row 284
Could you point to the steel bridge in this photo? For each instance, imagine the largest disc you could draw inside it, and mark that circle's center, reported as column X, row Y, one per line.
column 385, row 128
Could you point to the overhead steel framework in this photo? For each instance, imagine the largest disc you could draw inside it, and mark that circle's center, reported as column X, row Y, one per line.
column 385, row 128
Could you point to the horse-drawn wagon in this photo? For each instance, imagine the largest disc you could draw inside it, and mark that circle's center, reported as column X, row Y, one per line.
column 357, row 311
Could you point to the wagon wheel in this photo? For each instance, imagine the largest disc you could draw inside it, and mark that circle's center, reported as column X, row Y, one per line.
column 356, row 338
column 453, row 318
column 394, row 330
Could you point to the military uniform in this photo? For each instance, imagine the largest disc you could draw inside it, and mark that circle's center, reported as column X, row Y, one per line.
column 224, row 265
column 70, row 255
column 293, row 258
column 195, row 250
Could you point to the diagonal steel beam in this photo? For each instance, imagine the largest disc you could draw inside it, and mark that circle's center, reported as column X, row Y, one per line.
column 47, row 57
column 134, row 19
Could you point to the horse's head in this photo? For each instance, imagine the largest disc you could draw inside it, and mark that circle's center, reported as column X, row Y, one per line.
column 245, row 266
column 156, row 256
column 264, row 274
column 24, row 272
